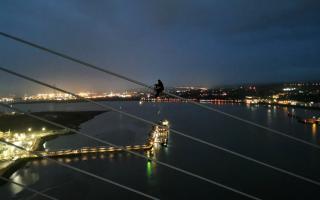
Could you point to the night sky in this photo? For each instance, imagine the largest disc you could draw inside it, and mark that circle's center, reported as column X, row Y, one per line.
column 200, row 42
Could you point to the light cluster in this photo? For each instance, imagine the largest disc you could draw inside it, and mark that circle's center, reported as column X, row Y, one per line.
column 28, row 140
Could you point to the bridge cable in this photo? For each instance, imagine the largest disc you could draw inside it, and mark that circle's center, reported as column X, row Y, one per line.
column 131, row 152
column 88, row 65
column 105, row 106
column 28, row 188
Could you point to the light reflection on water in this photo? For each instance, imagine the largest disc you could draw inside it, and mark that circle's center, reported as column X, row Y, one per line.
column 314, row 129
column 25, row 177
column 149, row 169
column 269, row 116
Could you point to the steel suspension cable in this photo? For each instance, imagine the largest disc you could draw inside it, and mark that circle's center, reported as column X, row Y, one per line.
column 105, row 106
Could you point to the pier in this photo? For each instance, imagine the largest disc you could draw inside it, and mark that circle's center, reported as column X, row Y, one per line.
column 159, row 134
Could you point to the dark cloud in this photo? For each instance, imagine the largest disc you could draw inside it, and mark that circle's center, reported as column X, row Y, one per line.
column 203, row 42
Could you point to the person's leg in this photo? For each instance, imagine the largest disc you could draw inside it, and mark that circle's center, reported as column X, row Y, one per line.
column 157, row 93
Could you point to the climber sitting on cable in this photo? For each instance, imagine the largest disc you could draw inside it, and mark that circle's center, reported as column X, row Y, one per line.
column 158, row 88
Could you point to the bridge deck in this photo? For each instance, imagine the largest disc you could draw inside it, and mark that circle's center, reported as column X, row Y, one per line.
column 88, row 150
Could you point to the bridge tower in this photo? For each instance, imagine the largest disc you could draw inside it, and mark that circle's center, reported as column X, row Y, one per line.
column 160, row 133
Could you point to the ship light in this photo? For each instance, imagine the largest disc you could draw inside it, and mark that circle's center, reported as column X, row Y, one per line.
column 166, row 122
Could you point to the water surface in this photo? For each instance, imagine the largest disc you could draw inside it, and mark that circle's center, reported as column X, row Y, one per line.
column 198, row 158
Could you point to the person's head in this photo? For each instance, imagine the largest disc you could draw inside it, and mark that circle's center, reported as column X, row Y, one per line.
column 159, row 80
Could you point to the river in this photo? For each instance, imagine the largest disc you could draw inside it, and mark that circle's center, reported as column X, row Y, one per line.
column 206, row 161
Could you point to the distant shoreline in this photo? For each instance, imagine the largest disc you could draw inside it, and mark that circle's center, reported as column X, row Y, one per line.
column 74, row 100
column 165, row 101
column 292, row 106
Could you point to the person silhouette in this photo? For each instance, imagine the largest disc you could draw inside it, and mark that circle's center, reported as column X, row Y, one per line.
column 158, row 88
